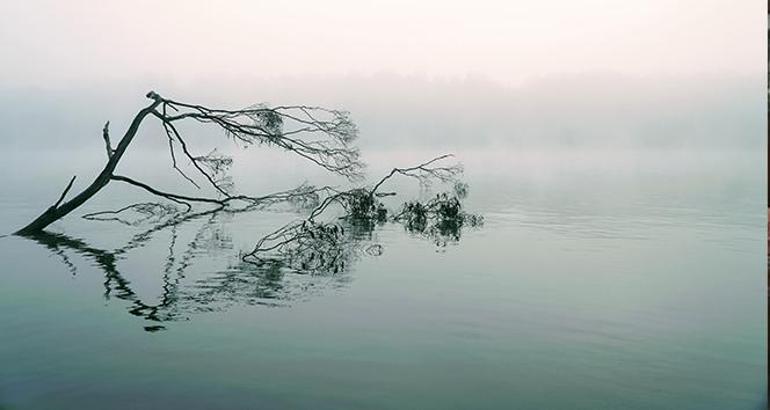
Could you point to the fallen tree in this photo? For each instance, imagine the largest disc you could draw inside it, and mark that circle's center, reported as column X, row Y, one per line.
column 319, row 135
column 318, row 243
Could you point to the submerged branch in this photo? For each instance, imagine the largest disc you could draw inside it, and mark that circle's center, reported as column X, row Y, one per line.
column 312, row 246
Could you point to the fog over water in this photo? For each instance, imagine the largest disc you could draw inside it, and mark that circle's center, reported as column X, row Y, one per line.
column 615, row 150
column 602, row 122
column 573, row 111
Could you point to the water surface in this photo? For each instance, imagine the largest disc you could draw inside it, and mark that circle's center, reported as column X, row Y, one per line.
column 590, row 285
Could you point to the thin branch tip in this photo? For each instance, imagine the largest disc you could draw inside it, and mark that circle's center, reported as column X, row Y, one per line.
column 64, row 194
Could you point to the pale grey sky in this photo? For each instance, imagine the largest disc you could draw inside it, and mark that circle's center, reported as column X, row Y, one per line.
column 61, row 43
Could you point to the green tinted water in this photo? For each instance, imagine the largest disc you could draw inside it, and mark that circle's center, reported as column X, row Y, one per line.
column 585, row 289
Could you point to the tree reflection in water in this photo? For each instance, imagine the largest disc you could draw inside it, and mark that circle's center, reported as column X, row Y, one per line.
column 292, row 263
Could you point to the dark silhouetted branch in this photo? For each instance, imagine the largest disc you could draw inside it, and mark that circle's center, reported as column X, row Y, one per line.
column 56, row 212
column 106, row 136
column 64, row 193
column 319, row 135
column 313, row 246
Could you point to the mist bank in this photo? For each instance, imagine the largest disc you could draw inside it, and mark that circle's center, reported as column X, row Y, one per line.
column 262, row 170
column 583, row 111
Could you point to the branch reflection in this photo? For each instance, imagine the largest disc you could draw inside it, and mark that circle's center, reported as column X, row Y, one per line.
column 298, row 261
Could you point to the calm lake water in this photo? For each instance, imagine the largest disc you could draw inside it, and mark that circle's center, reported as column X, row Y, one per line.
column 638, row 283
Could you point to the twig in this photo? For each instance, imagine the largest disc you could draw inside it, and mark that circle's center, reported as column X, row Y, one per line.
column 63, row 194
column 106, row 136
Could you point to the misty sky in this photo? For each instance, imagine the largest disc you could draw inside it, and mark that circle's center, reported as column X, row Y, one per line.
column 51, row 44
column 445, row 75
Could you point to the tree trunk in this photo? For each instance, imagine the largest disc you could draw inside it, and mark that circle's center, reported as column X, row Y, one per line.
column 57, row 211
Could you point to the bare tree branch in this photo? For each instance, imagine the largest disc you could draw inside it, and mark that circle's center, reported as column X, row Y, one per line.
column 181, row 199
column 425, row 172
column 310, row 245
column 171, row 150
column 277, row 126
column 106, row 136
column 64, row 194
column 288, row 127
column 57, row 211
